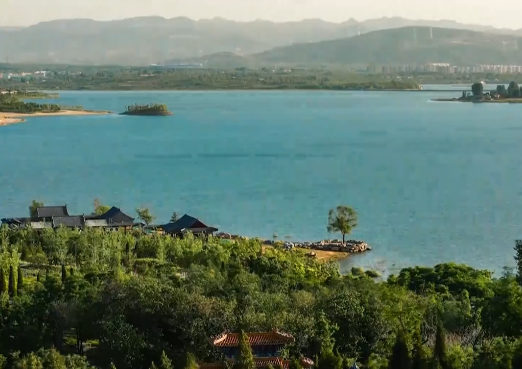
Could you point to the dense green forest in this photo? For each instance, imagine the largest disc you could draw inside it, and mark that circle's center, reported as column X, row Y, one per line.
column 75, row 299
column 147, row 109
column 13, row 103
column 155, row 78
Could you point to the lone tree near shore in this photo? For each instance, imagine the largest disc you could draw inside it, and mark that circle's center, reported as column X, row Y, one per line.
column 34, row 205
column 342, row 219
column 145, row 215
column 99, row 208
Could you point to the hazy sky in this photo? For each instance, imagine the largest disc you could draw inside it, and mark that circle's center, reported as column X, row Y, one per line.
column 27, row 12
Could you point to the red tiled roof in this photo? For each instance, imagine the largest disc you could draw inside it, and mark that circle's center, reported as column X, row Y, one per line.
column 255, row 339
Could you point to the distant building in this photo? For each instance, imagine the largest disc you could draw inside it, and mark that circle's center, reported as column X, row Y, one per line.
column 186, row 224
column 266, row 349
column 58, row 216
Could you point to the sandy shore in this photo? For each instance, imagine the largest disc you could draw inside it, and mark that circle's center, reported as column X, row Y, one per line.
column 59, row 113
column 321, row 254
column 13, row 118
column 7, row 121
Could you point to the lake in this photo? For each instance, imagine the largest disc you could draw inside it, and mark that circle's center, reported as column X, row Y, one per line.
column 432, row 182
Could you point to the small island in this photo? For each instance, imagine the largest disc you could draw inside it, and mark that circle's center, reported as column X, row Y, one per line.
column 501, row 94
column 147, row 109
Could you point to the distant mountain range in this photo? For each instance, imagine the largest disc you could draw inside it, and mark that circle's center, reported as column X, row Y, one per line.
column 147, row 40
column 408, row 45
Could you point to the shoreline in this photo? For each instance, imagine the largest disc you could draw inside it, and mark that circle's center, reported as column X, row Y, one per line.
column 6, row 121
column 7, row 118
column 504, row 101
column 290, row 89
column 69, row 113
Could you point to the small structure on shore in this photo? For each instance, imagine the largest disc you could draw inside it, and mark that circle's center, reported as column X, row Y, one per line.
column 147, row 109
column 186, row 224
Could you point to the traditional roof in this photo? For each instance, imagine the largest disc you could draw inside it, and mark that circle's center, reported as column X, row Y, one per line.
column 76, row 221
column 187, row 223
column 115, row 215
column 254, row 339
column 52, row 211
column 15, row 221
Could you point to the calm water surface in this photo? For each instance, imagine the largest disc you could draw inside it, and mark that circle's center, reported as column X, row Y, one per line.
column 432, row 182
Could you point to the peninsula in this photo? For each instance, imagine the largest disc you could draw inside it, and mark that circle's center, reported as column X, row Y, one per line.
column 147, row 109
column 13, row 109
column 511, row 94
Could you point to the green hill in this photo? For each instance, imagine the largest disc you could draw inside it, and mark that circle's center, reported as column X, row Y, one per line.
column 408, row 45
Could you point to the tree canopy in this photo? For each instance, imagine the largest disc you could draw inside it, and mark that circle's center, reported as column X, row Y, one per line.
column 477, row 89
column 137, row 298
column 342, row 219
column 145, row 215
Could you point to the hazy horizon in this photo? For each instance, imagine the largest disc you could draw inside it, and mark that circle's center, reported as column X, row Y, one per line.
column 16, row 13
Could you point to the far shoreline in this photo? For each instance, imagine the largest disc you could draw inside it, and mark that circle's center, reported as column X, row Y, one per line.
column 261, row 90
column 497, row 101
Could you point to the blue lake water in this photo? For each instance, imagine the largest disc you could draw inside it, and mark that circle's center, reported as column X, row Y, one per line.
column 432, row 182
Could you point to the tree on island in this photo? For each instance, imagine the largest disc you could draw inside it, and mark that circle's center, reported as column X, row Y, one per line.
column 513, row 90
column 99, row 208
column 32, row 209
column 145, row 215
column 501, row 90
column 477, row 89
column 174, row 218
column 342, row 219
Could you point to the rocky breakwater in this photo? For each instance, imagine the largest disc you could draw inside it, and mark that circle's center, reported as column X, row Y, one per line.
column 350, row 246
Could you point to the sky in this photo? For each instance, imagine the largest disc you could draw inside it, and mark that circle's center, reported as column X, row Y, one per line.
column 28, row 12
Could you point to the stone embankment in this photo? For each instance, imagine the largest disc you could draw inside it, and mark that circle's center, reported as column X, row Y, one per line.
column 349, row 246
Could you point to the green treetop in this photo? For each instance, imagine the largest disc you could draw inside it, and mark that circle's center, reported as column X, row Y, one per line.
column 165, row 362
column 477, row 89
column 245, row 359
column 145, row 215
column 342, row 219
column 99, row 208
column 34, row 205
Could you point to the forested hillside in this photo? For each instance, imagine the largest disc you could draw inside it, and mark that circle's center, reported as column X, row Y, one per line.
column 409, row 45
column 78, row 300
